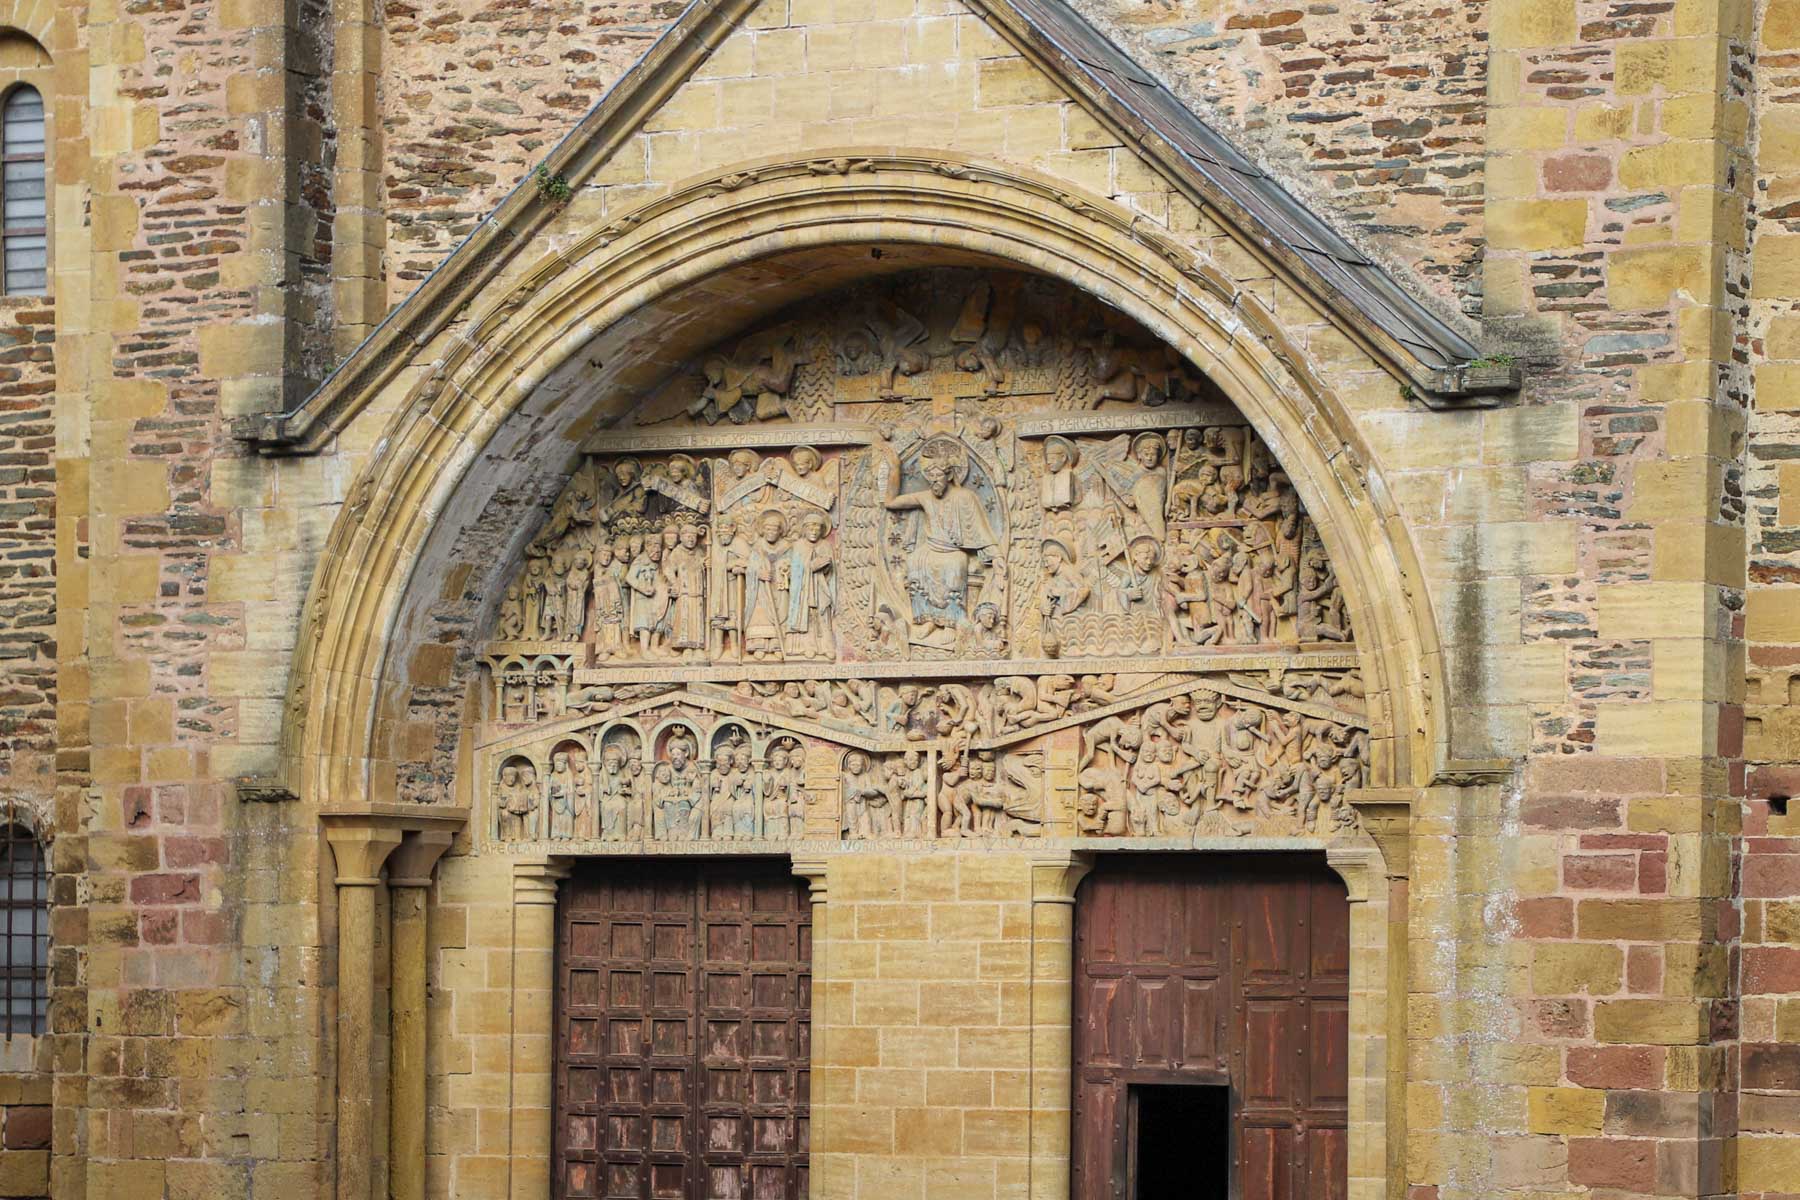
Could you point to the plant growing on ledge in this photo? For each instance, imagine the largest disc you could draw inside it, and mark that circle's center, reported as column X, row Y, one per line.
column 553, row 188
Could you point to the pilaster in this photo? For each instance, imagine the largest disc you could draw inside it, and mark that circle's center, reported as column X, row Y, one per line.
column 1054, row 881
column 535, row 885
column 358, row 234
column 359, row 847
column 816, row 872
column 409, row 883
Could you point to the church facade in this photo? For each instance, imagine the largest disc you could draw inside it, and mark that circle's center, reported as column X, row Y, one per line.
column 899, row 598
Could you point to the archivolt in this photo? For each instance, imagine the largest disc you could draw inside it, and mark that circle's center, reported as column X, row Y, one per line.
column 488, row 370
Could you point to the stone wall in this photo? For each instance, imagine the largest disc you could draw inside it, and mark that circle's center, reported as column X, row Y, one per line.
column 475, row 93
column 27, row 556
column 1376, row 112
column 190, row 998
column 1572, row 990
column 1595, row 997
column 1769, row 1111
column 28, row 685
column 25, row 1119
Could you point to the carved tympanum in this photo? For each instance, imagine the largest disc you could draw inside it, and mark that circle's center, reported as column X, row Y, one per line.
column 955, row 555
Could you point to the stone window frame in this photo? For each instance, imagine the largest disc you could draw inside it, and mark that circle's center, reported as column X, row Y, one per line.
column 40, row 78
column 20, row 827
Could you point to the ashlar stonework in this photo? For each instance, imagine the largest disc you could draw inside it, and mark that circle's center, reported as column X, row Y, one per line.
column 821, row 596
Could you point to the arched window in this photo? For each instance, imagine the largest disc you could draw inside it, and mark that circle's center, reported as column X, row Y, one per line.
column 23, row 226
column 25, row 949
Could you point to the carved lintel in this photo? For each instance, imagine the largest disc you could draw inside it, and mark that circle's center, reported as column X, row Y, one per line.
column 1195, row 659
column 1195, row 416
column 617, row 441
column 1474, row 772
column 1387, row 814
column 260, row 789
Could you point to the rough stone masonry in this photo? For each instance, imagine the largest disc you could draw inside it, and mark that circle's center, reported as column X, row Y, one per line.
column 1344, row 449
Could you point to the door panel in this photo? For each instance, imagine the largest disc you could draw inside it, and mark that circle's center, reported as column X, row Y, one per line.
column 1217, row 971
column 683, row 1033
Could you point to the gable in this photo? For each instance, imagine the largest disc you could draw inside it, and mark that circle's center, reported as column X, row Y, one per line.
column 1025, row 82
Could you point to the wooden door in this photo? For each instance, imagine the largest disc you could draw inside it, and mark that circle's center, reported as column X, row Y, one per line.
column 683, row 1032
column 1225, row 971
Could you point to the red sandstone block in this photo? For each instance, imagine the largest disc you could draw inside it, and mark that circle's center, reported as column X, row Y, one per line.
column 1625, row 1164
column 137, row 805
column 165, row 889
column 1731, row 730
column 1653, row 873
column 28, row 1127
column 171, row 805
column 1624, row 841
column 1597, row 773
column 1771, row 876
column 194, row 851
column 1562, row 1018
column 1572, row 812
column 1728, row 920
column 158, row 928
column 204, row 928
column 1772, row 1067
column 1600, row 872
column 1766, row 781
column 1643, row 970
column 1633, row 1067
column 1577, row 173
column 1547, row 917
column 1771, row 969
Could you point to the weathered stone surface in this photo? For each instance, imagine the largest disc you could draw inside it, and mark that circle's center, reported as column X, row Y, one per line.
column 1574, row 613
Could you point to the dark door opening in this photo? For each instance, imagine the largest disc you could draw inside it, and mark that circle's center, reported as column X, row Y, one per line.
column 1181, row 1142
column 1206, row 980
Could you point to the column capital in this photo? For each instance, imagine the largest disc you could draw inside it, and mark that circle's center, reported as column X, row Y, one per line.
column 362, row 840
column 1359, row 867
column 413, row 863
column 1387, row 814
column 535, row 880
column 1055, row 876
column 359, row 848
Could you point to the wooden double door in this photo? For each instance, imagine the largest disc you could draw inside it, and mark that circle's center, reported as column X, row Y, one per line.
column 1211, row 1029
column 683, row 1032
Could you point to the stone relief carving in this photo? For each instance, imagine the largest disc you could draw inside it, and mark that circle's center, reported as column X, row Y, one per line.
column 956, row 556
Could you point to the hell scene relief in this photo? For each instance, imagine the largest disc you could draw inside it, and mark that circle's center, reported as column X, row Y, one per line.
column 953, row 555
